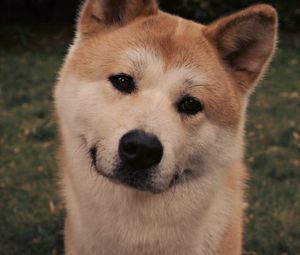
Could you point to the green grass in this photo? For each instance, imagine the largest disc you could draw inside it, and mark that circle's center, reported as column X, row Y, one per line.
column 273, row 220
column 31, row 215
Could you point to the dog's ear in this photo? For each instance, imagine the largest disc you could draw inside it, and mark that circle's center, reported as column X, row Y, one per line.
column 245, row 42
column 97, row 15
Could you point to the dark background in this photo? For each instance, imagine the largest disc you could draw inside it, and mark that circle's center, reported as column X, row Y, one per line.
column 34, row 23
column 64, row 11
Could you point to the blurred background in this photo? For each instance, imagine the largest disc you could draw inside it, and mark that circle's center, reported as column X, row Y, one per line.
column 34, row 37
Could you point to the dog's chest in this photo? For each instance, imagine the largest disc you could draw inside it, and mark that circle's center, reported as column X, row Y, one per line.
column 123, row 236
column 112, row 228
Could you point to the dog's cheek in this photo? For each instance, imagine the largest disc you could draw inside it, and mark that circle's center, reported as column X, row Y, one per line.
column 212, row 148
column 66, row 100
column 87, row 111
column 225, row 149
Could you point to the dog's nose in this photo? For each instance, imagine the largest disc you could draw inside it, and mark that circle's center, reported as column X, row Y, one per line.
column 140, row 150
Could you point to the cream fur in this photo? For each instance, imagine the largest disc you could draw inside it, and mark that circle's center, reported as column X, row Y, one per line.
column 202, row 213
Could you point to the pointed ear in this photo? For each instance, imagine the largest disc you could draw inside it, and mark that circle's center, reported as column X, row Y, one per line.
column 245, row 42
column 97, row 15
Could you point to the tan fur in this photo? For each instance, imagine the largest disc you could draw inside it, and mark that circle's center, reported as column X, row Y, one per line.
column 169, row 58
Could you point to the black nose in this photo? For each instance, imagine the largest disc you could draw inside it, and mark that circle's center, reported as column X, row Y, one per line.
column 140, row 150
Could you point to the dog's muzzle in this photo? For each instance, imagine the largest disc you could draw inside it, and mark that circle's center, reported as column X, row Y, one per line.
column 139, row 154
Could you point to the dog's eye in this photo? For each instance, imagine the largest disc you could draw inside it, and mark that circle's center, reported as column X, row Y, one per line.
column 190, row 106
column 123, row 82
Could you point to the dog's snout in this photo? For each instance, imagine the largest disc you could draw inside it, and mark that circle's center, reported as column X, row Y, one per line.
column 140, row 150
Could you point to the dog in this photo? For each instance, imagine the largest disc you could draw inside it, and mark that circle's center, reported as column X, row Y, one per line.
column 151, row 112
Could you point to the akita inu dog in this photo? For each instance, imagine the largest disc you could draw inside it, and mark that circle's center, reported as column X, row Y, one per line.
column 151, row 110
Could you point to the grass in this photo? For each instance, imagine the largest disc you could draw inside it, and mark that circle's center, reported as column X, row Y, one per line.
column 31, row 215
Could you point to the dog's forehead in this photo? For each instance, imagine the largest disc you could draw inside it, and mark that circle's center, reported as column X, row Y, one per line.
column 176, row 40
column 165, row 43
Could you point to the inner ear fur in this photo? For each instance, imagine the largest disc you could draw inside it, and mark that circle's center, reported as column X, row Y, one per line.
column 245, row 42
column 96, row 15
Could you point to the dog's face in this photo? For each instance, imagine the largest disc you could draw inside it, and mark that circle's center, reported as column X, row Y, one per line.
column 157, row 100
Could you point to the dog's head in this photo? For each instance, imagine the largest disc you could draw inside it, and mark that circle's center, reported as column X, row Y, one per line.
column 156, row 99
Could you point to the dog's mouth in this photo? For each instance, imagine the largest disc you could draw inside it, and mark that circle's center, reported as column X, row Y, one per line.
column 179, row 178
column 139, row 179
column 93, row 155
